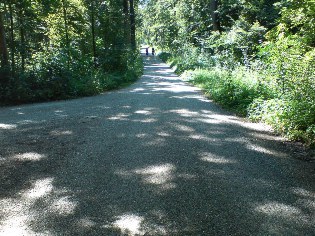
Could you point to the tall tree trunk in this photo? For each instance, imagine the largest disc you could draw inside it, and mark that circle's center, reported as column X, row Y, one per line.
column 12, row 38
column 132, row 25
column 3, row 45
column 22, row 36
column 65, row 18
column 21, row 29
column 93, row 30
column 215, row 16
column 126, row 22
column 4, row 57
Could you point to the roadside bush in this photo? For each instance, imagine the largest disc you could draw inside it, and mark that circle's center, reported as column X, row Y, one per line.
column 238, row 46
column 165, row 56
column 235, row 90
column 291, row 65
column 276, row 86
column 293, row 118
column 52, row 77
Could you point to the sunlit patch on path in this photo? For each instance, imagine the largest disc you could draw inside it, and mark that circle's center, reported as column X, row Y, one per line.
column 7, row 126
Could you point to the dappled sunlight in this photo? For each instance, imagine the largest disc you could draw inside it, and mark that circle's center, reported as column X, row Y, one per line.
column 163, row 134
column 142, row 135
column 63, row 206
column 166, row 83
column 119, row 117
column 236, row 140
column 164, row 69
column 207, row 111
column 221, row 118
column 268, row 136
column 153, row 83
column 254, row 126
column 60, row 114
column 205, row 138
column 101, row 107
column 224, row 119
column 85, row 119
column 17, row 211
column 137, row 90
column 143, row 112
column 197, row 97
column 133, row 224
column 61, row 132
column 20, row 214
column 160, row 176
column 148, row 120
column 159, row 141
column 155, row 66
column 185, row 113
column 278, row 209
column 306, row 199
column 260, row 149
column 16, row 221
column 28, row 156
column 304, row 193
column 209, row 121
column 212, row 158
column 186, row 176
column 183, row 128
column 40, row 188
column 7, row 126
column 278, row 217
column 284, row 215
column 175, row 88
column 129, row 224
column 28, row 122
column 86, row 223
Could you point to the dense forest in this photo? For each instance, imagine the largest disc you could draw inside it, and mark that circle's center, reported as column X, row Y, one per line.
column 256, row 57
column 59, row 49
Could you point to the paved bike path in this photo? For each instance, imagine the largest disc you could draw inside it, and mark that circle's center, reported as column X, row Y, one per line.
column 156, row 158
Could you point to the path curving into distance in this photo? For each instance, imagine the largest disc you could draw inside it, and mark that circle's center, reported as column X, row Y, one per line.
column 156, row 158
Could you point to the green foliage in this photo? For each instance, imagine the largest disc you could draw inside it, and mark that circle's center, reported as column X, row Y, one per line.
column 295, row 118
column 260, row 63
column 189, row 58
column 297, row 17
column 165, row 56
column 51, row 79
column 235, row 90
column 237, row 45
column 67, row 48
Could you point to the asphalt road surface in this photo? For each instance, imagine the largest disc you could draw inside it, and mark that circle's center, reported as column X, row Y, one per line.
column 156, row 158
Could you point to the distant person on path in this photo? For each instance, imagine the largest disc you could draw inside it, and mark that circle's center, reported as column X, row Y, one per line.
column 147, row 51
column 153, row 51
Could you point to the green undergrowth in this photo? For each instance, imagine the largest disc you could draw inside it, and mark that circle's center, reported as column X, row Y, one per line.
column 258, row 95
column 235, row 90
column 51, row 79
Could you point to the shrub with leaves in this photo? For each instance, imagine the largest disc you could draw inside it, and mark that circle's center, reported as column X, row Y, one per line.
column 235, row 90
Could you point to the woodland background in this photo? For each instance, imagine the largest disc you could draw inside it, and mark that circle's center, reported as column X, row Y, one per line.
column 66, row 48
